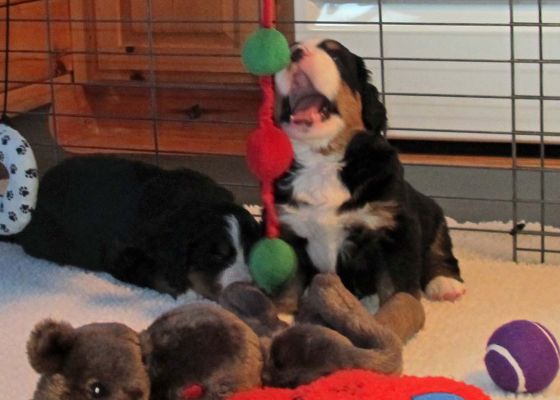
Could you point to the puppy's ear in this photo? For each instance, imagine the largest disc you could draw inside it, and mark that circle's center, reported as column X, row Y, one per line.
column 49, row 344
column 374, row 114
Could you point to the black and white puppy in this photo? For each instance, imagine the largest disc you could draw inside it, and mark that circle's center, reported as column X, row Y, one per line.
column 166, row 230
column 345, row 204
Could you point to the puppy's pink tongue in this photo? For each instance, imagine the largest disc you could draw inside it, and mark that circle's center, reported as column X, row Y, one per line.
column 307, row 117
column 307, row 111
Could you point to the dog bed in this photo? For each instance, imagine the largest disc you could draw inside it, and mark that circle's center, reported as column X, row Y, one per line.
column 452, row 344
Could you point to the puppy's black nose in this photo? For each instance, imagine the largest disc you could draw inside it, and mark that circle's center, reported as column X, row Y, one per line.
column 297, row 55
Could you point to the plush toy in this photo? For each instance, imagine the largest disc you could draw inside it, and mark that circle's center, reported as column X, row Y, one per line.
column 201, row 351
column 332, row 331
column 522, row 356
column 95, row 361
column 359, row 384
column 18, row 202
column 204, row 351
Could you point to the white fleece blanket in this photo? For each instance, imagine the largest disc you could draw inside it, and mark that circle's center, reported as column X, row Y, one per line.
column 451, row 344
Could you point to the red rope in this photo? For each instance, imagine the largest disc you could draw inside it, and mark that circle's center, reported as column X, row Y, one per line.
column 267, row 17
column 272, row 223
column 266, row 114
column 266, row 119
column 266, row 111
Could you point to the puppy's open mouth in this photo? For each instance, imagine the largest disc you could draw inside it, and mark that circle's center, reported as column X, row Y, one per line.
column 307, row 106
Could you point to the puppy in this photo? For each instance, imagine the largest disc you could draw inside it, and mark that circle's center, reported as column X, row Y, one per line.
column 166, row 230
column 344, row 204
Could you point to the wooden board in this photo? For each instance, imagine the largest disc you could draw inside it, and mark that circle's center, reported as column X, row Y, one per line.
column 112, row 119
column 30, row 62
column 478, row 161
column 195, row 41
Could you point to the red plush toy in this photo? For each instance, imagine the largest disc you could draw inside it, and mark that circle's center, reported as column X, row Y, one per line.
column 365, row 385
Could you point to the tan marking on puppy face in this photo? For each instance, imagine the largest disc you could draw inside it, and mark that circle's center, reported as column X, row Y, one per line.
column 331, row 44
column 350, row 108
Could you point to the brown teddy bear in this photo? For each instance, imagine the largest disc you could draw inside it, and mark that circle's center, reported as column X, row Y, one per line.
column 332, row 331
column 207, row 351
column 95, row 361
column 203, row 351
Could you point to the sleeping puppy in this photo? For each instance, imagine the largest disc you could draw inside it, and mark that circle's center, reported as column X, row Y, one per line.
column 344, row 204
column 166, row 230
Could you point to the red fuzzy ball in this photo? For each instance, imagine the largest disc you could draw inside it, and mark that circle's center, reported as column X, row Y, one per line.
column 269, row 152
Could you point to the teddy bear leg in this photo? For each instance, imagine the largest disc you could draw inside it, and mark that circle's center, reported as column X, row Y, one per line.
column 253, row 307
column 330, row 304
column 403, row 314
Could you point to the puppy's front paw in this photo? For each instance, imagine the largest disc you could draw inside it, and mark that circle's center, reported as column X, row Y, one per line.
column 445, row 288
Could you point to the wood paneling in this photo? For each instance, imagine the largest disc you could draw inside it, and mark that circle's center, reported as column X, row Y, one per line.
column 198, row 41
column 193, row 45
column 186, row 121
column 478, row 161
column 29, row 60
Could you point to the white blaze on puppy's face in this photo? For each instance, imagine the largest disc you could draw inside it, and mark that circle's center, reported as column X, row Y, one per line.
column 311, row 84
column 237, row 271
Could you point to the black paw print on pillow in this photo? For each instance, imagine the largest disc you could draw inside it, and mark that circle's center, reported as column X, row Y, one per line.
column 9, row 195
column 12, row 216
column 31, row 173
column 25, row 209
column 1, row 156
column 21, row 150
column 6, row 139
column 13, row 169
column 23, row 191
column 4, row 229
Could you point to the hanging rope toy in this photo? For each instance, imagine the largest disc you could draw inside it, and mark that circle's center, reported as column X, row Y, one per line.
column 20, row 197
column 269, row 152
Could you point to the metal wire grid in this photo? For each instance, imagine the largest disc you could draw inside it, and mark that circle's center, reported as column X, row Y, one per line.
column 514, row 199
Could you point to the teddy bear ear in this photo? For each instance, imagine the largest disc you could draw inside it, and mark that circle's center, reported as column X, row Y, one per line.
column 49, row 344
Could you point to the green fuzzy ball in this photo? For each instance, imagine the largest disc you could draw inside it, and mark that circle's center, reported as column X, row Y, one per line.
column 272, row 263
column 265, row 52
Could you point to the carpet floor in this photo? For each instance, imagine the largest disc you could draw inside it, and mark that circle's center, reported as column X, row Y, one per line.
column 452, row 343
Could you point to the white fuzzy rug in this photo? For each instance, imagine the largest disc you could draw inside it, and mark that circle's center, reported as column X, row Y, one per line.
column 452, row 343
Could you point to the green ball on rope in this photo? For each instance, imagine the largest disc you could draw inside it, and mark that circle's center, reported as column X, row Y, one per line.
column 272, row 263
column 265, row 52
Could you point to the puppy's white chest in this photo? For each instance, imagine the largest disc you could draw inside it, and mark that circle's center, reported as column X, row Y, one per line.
column 318, row 185
column 319, row 193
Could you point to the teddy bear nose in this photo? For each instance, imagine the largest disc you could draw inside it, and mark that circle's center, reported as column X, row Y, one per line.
column 297, row 54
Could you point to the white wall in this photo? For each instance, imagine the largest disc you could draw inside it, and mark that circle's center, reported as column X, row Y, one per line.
column 455, row 42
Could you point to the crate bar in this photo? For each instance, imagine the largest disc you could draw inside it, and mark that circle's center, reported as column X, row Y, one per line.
column 50, row 80
column 513, row 132
column 367, row 58
column 541, row 147
column 152, row 79
column 381, row 53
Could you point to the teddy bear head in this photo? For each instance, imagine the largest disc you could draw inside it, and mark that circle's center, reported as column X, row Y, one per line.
column 99, row 361
column 201, row 351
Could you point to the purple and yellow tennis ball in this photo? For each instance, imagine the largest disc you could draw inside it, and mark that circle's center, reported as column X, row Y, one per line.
column 522, row 356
